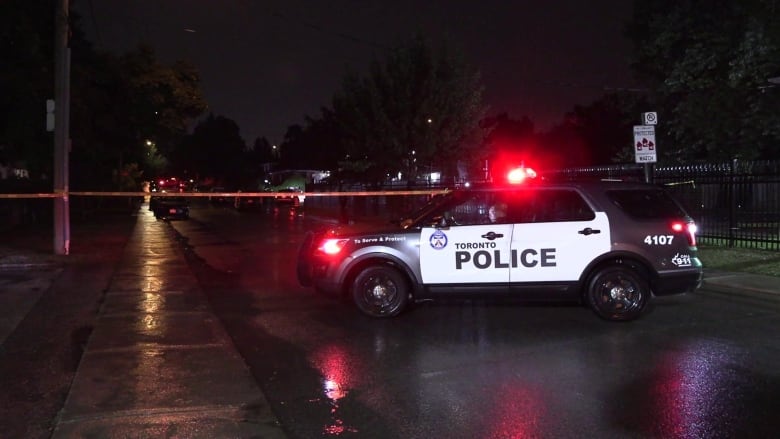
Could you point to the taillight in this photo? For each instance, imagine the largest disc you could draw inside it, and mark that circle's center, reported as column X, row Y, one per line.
column 689, row 229
column 332, row 246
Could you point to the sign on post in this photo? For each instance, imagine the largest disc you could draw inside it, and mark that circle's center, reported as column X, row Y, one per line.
column 644, row 144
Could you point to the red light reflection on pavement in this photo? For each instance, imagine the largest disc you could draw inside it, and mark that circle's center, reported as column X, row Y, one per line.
column 518, row 412
column 335, row 364
column 686, row 391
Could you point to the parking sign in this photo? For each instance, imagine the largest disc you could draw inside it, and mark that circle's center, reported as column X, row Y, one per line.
column 644, row 144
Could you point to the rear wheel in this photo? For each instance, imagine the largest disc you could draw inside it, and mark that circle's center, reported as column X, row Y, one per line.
column 618, row 293
column 380, row 291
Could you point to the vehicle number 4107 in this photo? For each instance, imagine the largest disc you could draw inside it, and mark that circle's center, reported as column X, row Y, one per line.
column 659, row 239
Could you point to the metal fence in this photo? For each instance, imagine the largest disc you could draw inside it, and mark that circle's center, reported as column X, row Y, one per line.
column 736, row 204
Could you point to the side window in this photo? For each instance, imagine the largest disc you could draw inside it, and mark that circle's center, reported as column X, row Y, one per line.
column 473, row 210
column 561, row 205
column 520, row 205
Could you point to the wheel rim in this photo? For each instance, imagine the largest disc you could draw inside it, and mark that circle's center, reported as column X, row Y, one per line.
column 619, row 295
column 379, row 294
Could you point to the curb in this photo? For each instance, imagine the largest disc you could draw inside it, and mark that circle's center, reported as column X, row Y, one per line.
column 740, row 291
column 30, row 266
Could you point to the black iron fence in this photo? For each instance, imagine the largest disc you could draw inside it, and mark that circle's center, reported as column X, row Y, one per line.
column 736, row 204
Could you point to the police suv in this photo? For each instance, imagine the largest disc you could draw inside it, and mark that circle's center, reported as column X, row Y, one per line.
column 610, row 245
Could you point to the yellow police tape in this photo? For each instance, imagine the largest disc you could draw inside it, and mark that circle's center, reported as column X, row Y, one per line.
column 60, row 194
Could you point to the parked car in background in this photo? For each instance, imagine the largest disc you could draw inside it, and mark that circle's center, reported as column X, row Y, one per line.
column 217, row 198
column 247, row 202
column 170, row 207
column 290, row 196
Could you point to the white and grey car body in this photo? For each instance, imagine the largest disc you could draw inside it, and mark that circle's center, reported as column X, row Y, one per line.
column 610, row 244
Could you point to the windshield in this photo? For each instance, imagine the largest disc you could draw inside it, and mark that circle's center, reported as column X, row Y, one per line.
column 426, row 209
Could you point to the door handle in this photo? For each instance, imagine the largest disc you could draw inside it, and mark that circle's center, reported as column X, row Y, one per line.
column 492, row 235
column 587, row 231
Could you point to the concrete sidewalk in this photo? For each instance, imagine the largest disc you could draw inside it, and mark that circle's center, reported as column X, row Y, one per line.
column 158, row 362
column 742, row 285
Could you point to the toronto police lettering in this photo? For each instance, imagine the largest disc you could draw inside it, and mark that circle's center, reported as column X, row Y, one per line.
column 528, row 258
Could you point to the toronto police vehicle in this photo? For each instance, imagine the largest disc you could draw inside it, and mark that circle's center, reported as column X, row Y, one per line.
column 610, row 245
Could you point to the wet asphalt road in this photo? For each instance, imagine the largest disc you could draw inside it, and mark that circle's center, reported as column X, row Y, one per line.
column 694, row 366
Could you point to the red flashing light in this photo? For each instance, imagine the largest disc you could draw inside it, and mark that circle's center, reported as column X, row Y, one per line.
column 520, row 175
column 332, row 246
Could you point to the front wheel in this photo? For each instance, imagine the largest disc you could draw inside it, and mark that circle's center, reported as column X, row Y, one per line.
column 380, row 291
column 618, row 293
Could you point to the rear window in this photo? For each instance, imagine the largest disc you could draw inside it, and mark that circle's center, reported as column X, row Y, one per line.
column 646, row 203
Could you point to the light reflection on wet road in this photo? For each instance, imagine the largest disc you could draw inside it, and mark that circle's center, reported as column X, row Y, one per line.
column 693, row 366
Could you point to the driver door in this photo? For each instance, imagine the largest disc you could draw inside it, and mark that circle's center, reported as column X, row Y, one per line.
column 462, row 246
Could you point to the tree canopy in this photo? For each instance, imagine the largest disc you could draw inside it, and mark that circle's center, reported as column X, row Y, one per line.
column 214, row 151
column 123, row 104
column 315, row 145
column 417, row 109
column 708, row 63
column 118, row 103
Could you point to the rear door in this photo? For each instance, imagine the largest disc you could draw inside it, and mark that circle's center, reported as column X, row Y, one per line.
column 556, row 236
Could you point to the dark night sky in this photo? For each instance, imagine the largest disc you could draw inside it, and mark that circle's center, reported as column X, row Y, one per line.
column 267, row 64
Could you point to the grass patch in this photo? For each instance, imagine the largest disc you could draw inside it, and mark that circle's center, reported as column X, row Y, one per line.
column 740, row 260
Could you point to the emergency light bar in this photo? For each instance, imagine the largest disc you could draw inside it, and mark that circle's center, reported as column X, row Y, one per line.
column 519, row 175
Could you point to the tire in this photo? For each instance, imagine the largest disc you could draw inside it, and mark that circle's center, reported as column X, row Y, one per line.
column 380, row 291
column 618, row 293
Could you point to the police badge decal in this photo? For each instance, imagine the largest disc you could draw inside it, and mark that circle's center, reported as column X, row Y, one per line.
column 438, row 240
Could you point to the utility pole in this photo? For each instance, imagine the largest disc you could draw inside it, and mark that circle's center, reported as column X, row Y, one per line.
column 61, row 128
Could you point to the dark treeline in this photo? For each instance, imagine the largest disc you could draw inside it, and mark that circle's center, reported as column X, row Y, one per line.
column 705, row 67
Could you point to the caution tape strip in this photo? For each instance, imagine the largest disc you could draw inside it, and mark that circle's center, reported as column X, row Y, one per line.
column 31, row 195
column 61, row 194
